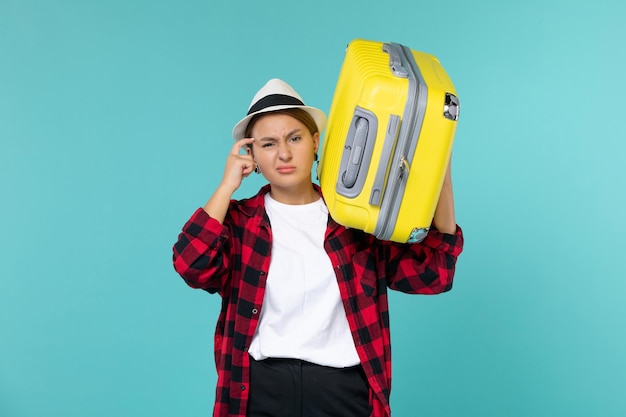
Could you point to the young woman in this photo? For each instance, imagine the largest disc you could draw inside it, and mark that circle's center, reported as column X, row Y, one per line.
column 304, row 326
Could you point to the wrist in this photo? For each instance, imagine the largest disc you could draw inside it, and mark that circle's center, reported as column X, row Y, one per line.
column 225, row 189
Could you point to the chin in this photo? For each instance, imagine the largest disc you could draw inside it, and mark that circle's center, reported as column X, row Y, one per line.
column 289, row 181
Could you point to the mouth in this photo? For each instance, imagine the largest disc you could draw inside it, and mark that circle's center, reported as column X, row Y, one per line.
column 286, row 169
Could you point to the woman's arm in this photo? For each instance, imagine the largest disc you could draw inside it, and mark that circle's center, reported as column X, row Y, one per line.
column 238, row 166
column 428, row 267
column 201, row 254
column 444, row 219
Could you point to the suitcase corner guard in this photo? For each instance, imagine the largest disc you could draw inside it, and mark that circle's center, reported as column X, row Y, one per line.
column 417, row 235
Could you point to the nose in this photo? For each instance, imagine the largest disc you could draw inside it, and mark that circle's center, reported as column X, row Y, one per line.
column 284, row 153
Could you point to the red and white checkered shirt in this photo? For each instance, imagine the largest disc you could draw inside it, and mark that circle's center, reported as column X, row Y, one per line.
column 233, row 258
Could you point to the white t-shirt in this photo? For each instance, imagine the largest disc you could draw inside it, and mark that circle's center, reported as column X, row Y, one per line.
column 302, row 315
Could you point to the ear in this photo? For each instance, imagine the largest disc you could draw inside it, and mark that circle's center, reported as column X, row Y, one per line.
column 316, row 141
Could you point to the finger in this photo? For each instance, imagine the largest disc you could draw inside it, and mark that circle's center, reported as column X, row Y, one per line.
column 247, row 168
column 240, row 144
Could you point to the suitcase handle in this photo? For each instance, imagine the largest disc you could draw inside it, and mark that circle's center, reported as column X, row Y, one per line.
column 356, row 153
column 358, row 150
column 395, row 60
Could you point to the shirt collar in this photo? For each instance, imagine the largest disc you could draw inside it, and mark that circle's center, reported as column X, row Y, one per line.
column 255, row 205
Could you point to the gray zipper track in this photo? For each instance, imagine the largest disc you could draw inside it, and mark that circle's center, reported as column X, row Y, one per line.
column 411, row 125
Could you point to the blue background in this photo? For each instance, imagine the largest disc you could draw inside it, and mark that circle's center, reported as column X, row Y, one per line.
column 115, row 119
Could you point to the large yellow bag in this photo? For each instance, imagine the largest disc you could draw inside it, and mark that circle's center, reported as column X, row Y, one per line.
column 388, row 140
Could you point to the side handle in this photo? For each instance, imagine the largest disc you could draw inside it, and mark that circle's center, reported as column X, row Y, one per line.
column 357, row 153
column 357, row 147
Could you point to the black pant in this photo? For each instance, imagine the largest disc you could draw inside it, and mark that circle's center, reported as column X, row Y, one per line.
column 295, row 388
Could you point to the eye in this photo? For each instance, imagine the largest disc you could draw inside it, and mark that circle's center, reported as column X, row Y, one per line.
column 267, row 144
column 295, row 138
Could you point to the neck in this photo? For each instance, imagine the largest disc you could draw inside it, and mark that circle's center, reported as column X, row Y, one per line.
column 304, row 194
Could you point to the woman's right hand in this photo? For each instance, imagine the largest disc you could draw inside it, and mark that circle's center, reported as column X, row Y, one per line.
column 238, row 165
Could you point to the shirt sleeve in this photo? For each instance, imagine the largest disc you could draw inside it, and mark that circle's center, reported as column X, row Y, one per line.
column 444, row 242
column 426, row 267
column 199, row 252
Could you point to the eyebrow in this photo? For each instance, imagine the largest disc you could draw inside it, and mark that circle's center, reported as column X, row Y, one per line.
column 269, row 138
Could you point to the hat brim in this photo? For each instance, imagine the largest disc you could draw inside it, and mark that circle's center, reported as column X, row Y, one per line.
column 239, row 131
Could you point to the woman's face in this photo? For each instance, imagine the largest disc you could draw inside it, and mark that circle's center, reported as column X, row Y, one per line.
column 284, row 150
